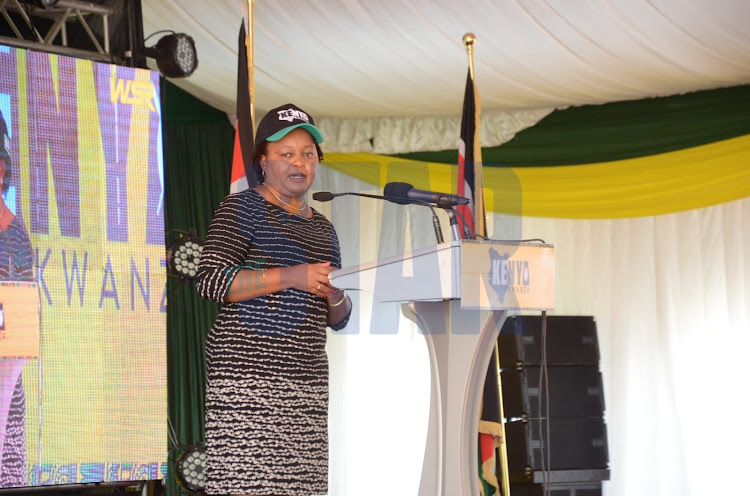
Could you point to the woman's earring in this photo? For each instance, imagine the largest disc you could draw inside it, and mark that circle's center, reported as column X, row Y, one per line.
column 264, row 172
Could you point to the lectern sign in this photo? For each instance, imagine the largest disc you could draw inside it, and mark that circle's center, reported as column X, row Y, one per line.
column 497, row 275
column 19, row 320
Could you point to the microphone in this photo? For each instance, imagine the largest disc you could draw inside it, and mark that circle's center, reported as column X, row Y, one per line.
column 326, row 196
column 406, row 193
column 323, row 196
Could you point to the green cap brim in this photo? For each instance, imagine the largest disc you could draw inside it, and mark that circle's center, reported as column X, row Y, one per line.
column 314, row 131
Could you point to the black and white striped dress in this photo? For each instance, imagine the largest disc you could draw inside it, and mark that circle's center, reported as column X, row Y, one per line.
column 267, row 384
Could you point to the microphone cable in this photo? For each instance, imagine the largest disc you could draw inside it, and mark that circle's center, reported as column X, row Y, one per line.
column 473, row 235
column 544, row 413
column 467, row 233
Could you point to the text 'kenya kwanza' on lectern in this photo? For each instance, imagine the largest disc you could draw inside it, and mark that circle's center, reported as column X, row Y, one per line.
column 458, row 293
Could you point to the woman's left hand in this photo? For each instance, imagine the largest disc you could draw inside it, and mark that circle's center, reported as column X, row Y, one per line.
column 336, row 296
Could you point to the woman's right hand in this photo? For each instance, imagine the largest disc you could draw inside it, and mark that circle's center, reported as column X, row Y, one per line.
column 312, row 278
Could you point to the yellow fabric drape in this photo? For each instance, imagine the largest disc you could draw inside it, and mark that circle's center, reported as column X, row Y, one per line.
column 653, row 185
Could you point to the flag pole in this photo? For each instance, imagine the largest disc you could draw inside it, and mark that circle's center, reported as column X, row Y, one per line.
column 470, row 40
column 480, row 223
column 503, row 445
column 249, row 48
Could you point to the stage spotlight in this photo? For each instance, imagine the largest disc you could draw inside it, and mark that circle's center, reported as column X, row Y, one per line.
column 184, row 255
column 47, row 4
column 175, row 55
column 190, row 468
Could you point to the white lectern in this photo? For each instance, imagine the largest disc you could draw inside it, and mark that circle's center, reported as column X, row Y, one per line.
column 458, row 293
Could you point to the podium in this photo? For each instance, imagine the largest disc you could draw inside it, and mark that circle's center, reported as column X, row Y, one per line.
column 458, row 294
column 19, row 340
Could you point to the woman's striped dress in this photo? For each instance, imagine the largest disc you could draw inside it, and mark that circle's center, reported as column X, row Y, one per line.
column 267, row 384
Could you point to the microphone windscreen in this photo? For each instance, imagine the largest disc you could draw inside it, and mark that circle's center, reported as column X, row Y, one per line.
column 323, row 196
column 398, row 190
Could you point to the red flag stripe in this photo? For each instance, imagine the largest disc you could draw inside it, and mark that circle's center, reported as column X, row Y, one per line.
column 238, row 165
column 464, row 189
column 242, row 176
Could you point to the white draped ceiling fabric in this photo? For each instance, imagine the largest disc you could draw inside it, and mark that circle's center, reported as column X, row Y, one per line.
column 352, row 60
column 669, row 293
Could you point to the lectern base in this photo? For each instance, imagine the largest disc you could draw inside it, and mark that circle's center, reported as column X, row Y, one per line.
column 460, row 344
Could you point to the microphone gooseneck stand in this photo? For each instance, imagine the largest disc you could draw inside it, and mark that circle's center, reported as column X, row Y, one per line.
column 325, row 196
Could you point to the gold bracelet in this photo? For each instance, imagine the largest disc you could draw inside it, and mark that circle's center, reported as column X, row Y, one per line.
column 338, row 302
column 263, row 281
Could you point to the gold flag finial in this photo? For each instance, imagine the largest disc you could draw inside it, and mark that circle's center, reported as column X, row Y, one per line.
column 470, row 40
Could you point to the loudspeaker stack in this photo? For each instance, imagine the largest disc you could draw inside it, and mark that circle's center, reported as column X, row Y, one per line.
column 571, row 452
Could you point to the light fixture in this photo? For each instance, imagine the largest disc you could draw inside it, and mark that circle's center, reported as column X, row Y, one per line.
column 48, row 4
column 175, row 55
column 184, row 255
column 190, row 468
column 45, row 4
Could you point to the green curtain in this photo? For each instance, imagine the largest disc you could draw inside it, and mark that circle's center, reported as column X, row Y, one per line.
column 620, row 130
column 198, row 144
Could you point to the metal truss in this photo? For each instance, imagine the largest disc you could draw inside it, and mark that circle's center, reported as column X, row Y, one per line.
column 21, row 16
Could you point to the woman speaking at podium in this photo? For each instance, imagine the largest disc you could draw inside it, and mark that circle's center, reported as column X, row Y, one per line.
column 266, row 258
column 19, row 324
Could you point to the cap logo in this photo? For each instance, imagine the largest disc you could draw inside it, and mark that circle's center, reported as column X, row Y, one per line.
column 292, row 114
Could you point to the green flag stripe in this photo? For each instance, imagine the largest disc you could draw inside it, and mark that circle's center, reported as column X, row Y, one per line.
column 621, row 130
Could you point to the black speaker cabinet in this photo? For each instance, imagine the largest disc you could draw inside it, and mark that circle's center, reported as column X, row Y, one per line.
column 573, row 444
column 580, row 476
column 573, row 392
column 570, row 341
column 563, row 489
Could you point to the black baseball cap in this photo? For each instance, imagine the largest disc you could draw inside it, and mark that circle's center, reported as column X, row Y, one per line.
column 279, row 121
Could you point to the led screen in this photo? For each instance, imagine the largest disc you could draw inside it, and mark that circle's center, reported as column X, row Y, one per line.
column 82, row 272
